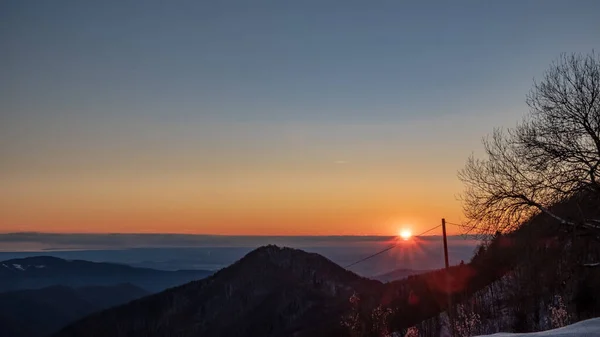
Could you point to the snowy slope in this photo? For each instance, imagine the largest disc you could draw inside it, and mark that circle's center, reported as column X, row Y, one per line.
column 587, row 328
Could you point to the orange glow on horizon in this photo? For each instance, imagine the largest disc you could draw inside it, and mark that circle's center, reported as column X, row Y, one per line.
column 258, row 204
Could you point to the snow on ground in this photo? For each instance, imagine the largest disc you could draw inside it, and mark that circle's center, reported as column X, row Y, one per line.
column 587, row 328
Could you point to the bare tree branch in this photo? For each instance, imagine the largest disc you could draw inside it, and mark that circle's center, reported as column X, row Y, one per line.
column 548, row 158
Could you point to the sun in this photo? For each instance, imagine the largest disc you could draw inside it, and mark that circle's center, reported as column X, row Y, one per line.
column 405, row 234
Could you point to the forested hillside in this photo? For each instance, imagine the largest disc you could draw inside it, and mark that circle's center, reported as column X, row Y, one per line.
column 538, row 277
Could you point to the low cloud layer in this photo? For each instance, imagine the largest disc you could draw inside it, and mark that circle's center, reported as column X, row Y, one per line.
column 180, row 251
column 51, row 241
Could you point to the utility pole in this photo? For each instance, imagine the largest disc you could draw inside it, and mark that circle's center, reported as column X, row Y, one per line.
column 445, row 243
column 448, row 289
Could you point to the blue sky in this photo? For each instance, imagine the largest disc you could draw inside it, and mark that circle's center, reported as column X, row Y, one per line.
column 308, row 61
column 214, row 94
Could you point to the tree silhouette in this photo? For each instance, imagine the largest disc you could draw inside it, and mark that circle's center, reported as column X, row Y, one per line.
column 550, row 157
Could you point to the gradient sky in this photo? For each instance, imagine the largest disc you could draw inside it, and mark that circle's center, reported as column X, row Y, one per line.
column 260, row 117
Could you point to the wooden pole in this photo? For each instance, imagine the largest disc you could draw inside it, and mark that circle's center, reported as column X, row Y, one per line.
column 445, row 243
column 448, row 290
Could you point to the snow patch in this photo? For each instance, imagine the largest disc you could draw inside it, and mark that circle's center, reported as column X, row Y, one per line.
column 587, row 328
column 18, row 266
column 40, row 266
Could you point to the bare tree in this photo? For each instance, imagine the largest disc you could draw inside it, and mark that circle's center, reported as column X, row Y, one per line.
column 550, row 157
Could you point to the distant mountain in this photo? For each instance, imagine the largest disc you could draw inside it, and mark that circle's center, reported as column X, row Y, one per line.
column 43, row 271
column 40, row 312
column 271, row 291
column 398, row 274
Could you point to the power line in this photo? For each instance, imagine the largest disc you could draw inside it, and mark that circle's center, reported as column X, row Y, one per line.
column 459, row 225
column 388, row 248
column 429, row 230
column 370, row 256
column 466, row 229
column 395, row 244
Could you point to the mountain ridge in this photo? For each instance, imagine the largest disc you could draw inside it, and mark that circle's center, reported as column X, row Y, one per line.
column 43, row 271
column 271, row 291
column 40, row 312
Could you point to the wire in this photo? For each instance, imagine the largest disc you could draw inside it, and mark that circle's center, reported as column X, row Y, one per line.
column 388, row 248
column 459, row 225
column 429, row 230
column 466, row 230
column 395, row 244
column 463, row 228
column 370, row 256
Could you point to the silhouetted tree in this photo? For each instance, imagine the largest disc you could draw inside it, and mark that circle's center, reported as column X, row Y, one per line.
column 550, row 157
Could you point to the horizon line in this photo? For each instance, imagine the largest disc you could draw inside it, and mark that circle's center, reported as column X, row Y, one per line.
column 220, row 235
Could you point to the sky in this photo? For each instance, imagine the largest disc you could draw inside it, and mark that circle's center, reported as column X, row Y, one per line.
column 261, row 117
